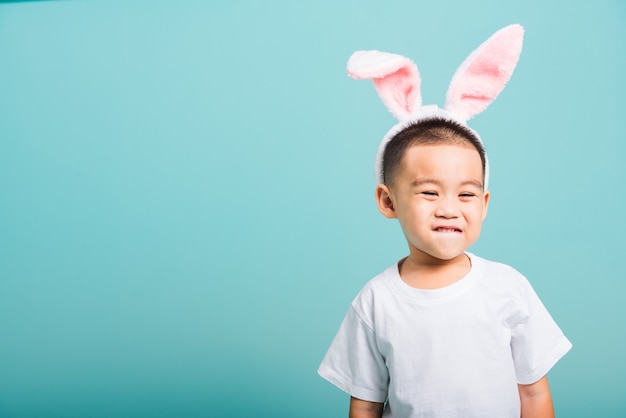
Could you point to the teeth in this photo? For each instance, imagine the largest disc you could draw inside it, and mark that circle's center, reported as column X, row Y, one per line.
column 446, row 230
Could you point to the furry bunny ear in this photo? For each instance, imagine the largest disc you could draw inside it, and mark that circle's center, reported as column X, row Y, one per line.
column 484, row 73
column 395, row 78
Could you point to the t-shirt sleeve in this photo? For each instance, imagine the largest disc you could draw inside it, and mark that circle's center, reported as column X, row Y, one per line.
column 537, row 342
column 353, row 362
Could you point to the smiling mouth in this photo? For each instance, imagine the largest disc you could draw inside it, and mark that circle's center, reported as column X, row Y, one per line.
column 447, row 230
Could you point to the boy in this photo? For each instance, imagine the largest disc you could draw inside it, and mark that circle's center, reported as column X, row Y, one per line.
column 443, row 333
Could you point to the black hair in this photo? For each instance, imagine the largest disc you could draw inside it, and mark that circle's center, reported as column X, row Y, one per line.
column 428, row 132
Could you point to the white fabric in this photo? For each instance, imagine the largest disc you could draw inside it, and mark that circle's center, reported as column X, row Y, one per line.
column 458, row 351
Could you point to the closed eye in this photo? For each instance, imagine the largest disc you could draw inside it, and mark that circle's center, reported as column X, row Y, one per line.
column 467, row 197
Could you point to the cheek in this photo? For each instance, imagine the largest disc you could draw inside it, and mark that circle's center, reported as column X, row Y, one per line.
column 474, row 212
column 478, row 214
column 417, row 210
column 414, row 213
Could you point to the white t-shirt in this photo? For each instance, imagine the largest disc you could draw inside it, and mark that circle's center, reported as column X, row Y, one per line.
column 458, row 351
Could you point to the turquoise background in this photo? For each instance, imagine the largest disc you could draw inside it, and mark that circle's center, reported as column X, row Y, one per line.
column 186, row 195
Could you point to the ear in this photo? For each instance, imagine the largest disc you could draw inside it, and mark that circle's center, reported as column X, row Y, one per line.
column 483, row 74
column 486, row 196
column 395, row 78
column 385, row 201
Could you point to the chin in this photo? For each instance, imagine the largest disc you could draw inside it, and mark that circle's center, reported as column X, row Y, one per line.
column 449, row 257
column 444, row 255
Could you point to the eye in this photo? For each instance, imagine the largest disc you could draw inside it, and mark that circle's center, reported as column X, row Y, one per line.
column 429, row 194
column 466, row 196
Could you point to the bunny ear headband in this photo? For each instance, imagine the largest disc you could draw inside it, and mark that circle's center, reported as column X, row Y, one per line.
column 476, row 83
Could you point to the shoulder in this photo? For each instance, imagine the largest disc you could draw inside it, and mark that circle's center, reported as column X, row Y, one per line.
column 375, row 295
column 505, row 282
column 502, row 277
column 496, row 273
column 493, row 267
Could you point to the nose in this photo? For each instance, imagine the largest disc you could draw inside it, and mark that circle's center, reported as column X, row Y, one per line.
column 446, row 209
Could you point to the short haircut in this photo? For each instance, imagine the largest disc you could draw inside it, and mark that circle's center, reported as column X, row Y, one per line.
column 429, row 132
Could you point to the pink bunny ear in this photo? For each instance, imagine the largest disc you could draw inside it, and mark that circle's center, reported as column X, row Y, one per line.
column 395, row 78
column 483, row 74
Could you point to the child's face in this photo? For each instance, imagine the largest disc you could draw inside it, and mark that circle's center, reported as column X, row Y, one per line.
column 437, row 195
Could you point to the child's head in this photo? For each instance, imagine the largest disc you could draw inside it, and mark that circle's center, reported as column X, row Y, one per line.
column 434, row 186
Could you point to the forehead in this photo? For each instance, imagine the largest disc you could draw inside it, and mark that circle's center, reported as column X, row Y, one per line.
column 445, row 161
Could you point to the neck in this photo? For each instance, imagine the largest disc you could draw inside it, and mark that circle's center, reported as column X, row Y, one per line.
column 432, row 273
